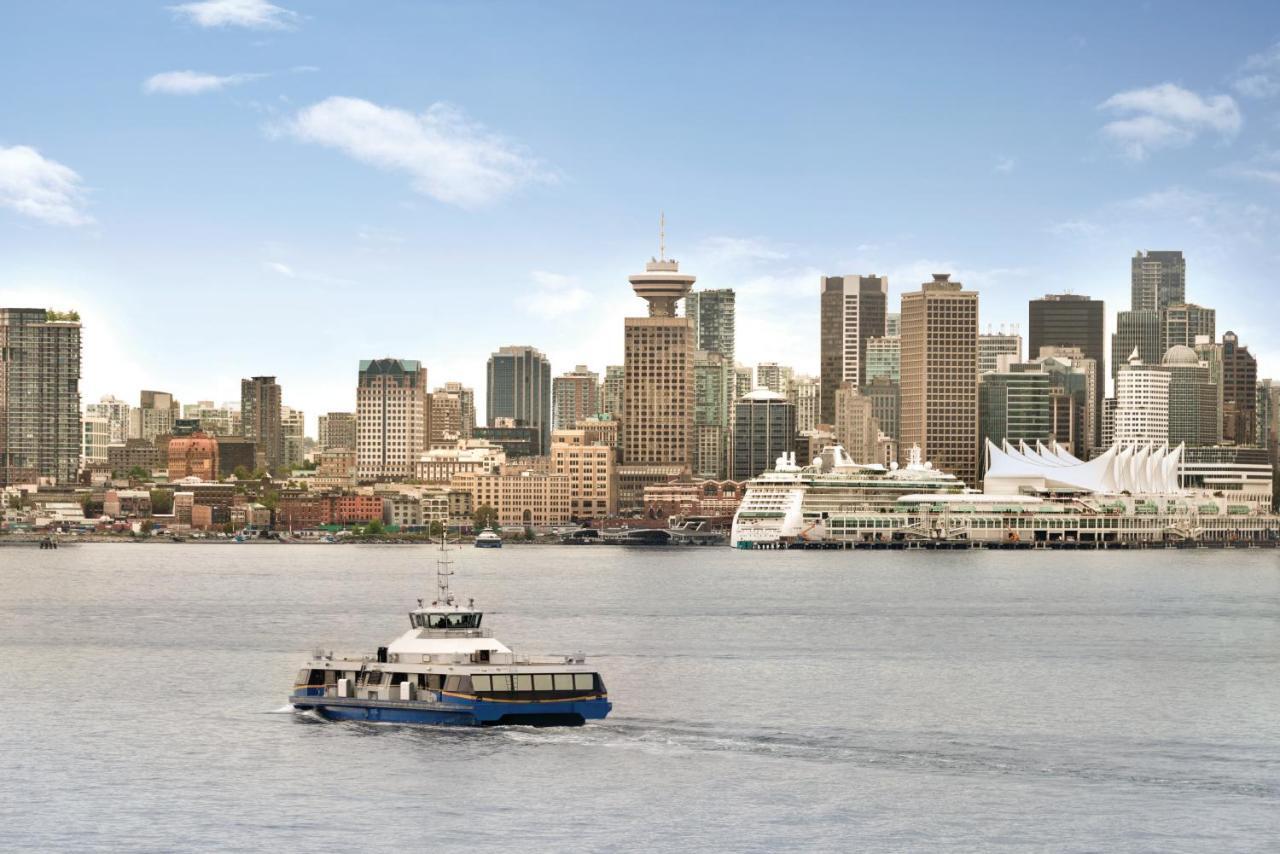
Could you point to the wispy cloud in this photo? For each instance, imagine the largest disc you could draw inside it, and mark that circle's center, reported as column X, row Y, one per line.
column 1259, row 76
column 251, row 14
column 193, row 82
column 554, row 295
column 1167, row 116
column 42, row 188
column 1005, row 165
column 281, row 268
column 1263, row 166
column 1074, row 228
column 446, row 155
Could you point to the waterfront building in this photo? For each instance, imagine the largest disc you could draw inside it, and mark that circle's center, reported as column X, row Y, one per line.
column 519, row 496
column 194, row 455
column 391, row 418
column 1244, row 475
column 939, row 410
column 519, row 388
column 591, row 470
column 40, row 432
column 575, row 395
column 1142, row 403
column 1138, row 330
column 1194, row 418
column 260, row 402
column 806, row 393
column 884, row 357
column 764, row 427
column 886, row 404
column 1014, row 405
column 116, row 413
column 293, row 437
column 993, row 347
column 439, row 465
column 97, row 438
column 852, row 311
column 712, row 313
column 611, row 391
column 712, row 388
column 1061, row 321
column 1158, row 279
column 1182, row 323
column 337, row 430
column 1239, row 392
column 154, row 417
column 855, row 426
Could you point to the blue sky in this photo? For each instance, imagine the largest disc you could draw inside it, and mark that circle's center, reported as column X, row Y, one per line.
column 235, row 187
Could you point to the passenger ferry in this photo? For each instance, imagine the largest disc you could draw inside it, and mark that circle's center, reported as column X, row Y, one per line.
column 488, row 539
column 447, row 669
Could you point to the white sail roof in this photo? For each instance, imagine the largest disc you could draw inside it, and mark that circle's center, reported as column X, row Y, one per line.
column 1136, row 469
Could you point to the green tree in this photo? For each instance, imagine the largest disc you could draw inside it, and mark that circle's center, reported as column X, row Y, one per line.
column 161, row 501
column 138, row 473
column 270, row 499
column 374, row 528
column 242, row 473
column 485, row 516
column 436, row 531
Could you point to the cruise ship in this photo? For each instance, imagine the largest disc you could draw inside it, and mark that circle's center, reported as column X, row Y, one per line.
column 796, row 504
column 447, row 669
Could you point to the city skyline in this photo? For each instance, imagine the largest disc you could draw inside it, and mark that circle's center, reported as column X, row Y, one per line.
column 124, row 185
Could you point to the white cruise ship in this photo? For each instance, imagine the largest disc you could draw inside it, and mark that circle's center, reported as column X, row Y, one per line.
column 792, row 503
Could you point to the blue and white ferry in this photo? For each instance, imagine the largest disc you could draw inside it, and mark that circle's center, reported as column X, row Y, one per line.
column 447, row 669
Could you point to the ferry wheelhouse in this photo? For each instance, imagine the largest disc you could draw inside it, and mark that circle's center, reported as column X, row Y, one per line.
column 448, row 669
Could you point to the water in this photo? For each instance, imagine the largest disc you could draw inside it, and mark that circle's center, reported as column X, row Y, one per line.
column 762, row 701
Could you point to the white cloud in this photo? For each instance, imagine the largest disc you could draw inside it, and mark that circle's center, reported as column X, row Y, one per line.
column 447, row 156
column 281, row 268
column 38, row 187
column 193, row 82
column 554, row 295
column 1260, row 74
column 1005, row 165
column 1167, row 116
column 252, row 14
column 731, row 250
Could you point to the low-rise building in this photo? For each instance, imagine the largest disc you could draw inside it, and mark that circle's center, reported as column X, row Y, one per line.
column 591, row 471
column 440, row 465
column 520, row 496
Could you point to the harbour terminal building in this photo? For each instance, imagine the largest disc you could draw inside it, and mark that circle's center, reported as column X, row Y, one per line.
column 1132, row 494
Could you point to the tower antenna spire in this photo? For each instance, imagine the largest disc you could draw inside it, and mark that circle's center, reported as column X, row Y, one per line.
column 662, row 236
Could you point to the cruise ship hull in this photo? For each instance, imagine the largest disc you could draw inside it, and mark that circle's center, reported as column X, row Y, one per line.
column 456, row 711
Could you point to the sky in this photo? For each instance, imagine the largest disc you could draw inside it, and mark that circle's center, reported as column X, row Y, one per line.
column 229, row 188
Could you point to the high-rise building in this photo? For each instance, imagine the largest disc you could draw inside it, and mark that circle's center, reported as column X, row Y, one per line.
column 892, row 324
column 994, row 346
column 764, row 428
column 591, row 469
column 293, row 437
column 260, row 418
column 444, row 419
column 1182, row 323
column 714, row 327
column 743, row 381
column 40, row 432
column 1142, row 403
column 575, row 396
column 712, row 392
column 1193, row 399
column 1239, row 392
column 156, row 412
column 774, row 377
column 884, row 358
column 116, row 413
column 391, row 418
column 337, row 430
column 1014, row 405
column 212, row 419
column 855, row 425
column 853, row 310
column 611, row 392
column 1158, row 279
column 886, row 401
column 519, row 388
column 96, row 431
column 1135, row 330
column 1072, row 320
column 1074, row 422
column 806, row 393
column 466, row 406
column 940, row 375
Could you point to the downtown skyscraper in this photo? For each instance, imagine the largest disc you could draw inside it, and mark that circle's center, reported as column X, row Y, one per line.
column 853, row 310
column 1072, row 320
column 518, row 387
column 391, row 418
column 40, row 430
column 260, row 412
column 1158, row 279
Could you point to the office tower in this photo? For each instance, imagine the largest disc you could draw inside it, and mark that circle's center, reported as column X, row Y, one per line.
column 1182, row 323
column 260, row 419
column 886, row 402
column 855, row 425
column 657, row 395
column 806, row 393
column 1074, row 419
column 1193, row 399
column 743, row 381
column 444, row 419
column 466, row 406
column 1014, row 405
column 575, row 396
column 519, row 388
column 893, row 324
column 1142, row 403
column 1135, row 330
column 611, row 392
column 1072, row 320
column 884, row 358
column 40, row 431
column 293, row 437
column 774, row 377
column 992, row 346
column 1239, row 392
column 337, row 430
column 852, row 311
column 591, row 470
column 116, row 413
column 764, row 428
column 391, row 418
column 156, row 412
column 1157, row 280
column 940, row 375
column 712, row 314
column 1108, row 423
column 212, row 419
column 712, row 393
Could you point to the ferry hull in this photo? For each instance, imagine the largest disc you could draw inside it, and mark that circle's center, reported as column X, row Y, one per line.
column 456, row 711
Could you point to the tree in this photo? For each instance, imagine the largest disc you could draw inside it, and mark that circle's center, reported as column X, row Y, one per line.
column 374, row 528
column 138, row 473
column 485, row 516
column 161, row 501
column 436, row 530
column 270, row 499
column 242, row 473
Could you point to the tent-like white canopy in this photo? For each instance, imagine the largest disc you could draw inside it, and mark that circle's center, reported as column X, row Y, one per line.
column 1136, row 469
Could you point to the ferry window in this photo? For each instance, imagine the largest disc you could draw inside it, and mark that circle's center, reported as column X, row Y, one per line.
column 584, row 681
column 481, row 682
column 439, row 621
column 374, row 677
column 542, row 682
column 317, row 677
column 502, row 683
column 524, row 682
column 451, row 683
column 564, row 681
column 304, row 676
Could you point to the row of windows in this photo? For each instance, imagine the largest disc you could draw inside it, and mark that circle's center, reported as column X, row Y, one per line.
column 500, row 682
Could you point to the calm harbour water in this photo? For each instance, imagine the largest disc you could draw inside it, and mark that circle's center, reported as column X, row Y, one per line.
column 762, row 701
